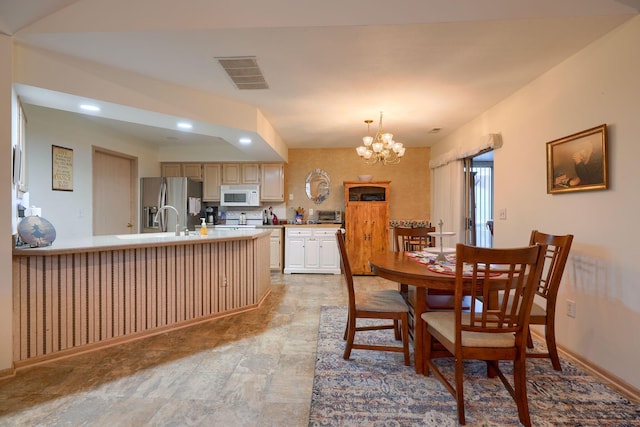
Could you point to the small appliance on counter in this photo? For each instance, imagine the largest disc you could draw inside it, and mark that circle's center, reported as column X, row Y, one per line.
column 211, row 214
column 329, row 217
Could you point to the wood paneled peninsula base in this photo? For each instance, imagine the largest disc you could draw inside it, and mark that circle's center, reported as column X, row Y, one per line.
column 81, row 295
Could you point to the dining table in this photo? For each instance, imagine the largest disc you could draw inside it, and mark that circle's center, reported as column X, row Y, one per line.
column 402, row 268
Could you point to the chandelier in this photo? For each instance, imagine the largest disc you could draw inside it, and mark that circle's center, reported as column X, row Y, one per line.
column 381, row 148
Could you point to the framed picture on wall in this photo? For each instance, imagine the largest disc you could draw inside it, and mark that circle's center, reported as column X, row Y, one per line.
column 578, row 162
column 61, row 168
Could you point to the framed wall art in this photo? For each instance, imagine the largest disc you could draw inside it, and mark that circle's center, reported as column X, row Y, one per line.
column 578, row 162
column 61, row 168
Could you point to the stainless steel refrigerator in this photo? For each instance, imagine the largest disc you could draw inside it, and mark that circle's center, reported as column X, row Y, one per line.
column 184, row 194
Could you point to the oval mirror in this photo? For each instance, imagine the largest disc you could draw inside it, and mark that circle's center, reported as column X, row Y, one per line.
column 317, row 186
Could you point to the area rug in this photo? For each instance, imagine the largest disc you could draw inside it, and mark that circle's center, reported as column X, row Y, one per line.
column 375, row 389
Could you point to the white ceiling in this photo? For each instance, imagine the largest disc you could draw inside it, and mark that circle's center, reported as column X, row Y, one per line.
column 332, row 64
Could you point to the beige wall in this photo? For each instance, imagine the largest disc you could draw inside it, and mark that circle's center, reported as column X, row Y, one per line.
column 410, row 179
column 598, row 85
column 6, row 212
column 72, row 211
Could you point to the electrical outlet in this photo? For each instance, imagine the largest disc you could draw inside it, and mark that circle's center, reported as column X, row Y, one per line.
column 503, row 213
column 571, row 308
column 290, row 196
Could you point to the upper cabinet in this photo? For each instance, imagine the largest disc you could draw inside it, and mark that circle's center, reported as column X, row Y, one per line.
column 212, row 173
column 272, row 182
column 171, row 169
column 240, row 173
column 190, row 170
column 270, row 176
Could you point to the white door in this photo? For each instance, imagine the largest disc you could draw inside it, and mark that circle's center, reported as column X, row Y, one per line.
column 114, row 192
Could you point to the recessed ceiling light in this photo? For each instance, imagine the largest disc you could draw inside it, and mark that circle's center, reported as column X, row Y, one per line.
column 185, row 125
column 244, row 141
column 89, row 107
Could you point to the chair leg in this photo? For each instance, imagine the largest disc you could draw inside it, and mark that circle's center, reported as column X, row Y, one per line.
column 426, row 353
column 404, row 318
column 529, row 339
column 403, row 289
column 396, row 329
column 520, row 390
column 550, row 336
column 346, row 329
column 351, row 332
column 459, row 391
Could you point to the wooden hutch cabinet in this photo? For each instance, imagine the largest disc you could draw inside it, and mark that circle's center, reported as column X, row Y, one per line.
column 366, row 222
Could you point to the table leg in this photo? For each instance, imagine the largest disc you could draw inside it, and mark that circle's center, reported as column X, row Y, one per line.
column 418, row 328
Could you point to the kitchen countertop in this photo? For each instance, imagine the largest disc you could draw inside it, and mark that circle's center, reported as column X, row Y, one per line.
column 314, row 225
column 123, row 241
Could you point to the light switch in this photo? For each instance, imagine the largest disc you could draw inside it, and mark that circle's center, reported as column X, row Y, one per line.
column 290, row 196
column 503, row 213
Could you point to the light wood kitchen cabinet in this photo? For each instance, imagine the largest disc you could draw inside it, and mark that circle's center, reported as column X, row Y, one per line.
column 272, row 182
column 240, row 173
column 211, row 182
column 311, row 250
column 171, row 169
column 190, row 170
column 275, row 247
column 366, row 222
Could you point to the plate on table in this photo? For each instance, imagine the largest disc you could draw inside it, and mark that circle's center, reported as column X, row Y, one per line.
column 467, row 269
column 446, row 269
column 436, row 251
column 442, row 233
column 425, row 257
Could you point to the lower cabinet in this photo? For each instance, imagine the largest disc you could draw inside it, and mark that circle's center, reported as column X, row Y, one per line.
column 311, row 250
column 275, row 262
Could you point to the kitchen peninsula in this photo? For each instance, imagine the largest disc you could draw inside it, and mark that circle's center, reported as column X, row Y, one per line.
column 84, row 294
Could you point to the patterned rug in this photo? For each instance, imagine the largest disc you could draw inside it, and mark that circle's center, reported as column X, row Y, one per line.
column 376, row 389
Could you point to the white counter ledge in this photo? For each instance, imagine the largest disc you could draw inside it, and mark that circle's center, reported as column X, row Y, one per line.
column 122, row 241
column 83, row 294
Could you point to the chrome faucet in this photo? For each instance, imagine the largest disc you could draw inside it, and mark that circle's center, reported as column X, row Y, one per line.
column 155, row 219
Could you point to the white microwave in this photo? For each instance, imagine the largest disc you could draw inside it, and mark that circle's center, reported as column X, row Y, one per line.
column 240, row 195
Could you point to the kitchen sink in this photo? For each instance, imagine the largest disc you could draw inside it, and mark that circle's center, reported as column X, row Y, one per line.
column 144, row 236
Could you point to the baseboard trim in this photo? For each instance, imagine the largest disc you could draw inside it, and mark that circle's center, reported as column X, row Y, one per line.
column 7, row 373
column 627, row 390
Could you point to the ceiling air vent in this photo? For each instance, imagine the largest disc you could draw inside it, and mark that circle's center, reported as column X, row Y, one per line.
column 244, row 72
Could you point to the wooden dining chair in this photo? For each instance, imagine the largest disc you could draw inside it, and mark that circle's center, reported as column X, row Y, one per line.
column 412, row 239
column 416, row 239
column 373, row 304
column 485, row 332
column 543, row 311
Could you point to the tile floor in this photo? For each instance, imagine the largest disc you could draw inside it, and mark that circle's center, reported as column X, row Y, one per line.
column 251, row 369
